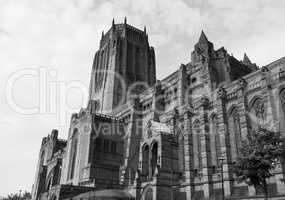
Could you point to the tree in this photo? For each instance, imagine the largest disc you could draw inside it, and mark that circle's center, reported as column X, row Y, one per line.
column 18, row 196
column 259, row 155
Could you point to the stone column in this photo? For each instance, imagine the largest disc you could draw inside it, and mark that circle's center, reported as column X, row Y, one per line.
column 223, row 131
column 188, row 155
column 137, row 184
column 157, row 102
column 243, row 108
column 173, row 116
column 182, row 84
column 133, row 61
column 205, row 147
column 242, row 104
column 132, row 140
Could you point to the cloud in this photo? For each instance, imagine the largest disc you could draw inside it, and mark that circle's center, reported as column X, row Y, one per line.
column 64, row 35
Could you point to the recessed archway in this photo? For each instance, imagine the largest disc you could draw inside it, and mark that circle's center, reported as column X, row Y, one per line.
column 145, row 161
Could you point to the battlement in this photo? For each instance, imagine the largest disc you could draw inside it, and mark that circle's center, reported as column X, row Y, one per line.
column 124, row 30
column 107, row 117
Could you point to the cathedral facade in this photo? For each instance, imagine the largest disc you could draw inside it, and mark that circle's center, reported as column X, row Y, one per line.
column 176, row 138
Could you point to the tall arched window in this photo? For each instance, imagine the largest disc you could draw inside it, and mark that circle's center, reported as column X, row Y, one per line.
column 234, row 133
column 73, row 154
column 215, row 141
column 145, row 161
column 154, row 152
column 197, row 145
column 257, row 113
column 282, row 112
column 181, row 152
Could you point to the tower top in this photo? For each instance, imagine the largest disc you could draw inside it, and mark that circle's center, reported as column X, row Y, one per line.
column 203, row 38
column 121, row 38
column 121, row 29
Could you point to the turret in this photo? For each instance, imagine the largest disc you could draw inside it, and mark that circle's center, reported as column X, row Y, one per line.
column 246, row 61
column 203, row 38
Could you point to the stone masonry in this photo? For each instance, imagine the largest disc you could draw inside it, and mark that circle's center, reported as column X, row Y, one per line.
column 163, row 139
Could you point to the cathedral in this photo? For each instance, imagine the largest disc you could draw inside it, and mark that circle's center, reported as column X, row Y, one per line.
column 177, row 138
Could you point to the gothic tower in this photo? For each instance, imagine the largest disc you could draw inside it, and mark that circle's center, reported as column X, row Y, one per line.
column 124, row 58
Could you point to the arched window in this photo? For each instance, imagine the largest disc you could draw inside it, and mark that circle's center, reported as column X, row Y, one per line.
column 73, row 154
column 181, row 152
column 148, row 195
column 53, row 197
column 145, row 161
column 257, row 113
column 215, row 141
column 282, row 112
column 154, row 152
column 234, row 133
column 106, row 148
column 197, row 145
column 113, row 147
column 98, row 145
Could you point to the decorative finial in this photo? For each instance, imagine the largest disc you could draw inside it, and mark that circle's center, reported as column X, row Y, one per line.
column 125, row 20
column 144, row 29
column 113, row 22
column 221, row 93
column 102, row 34
column 203, row 38
column 246, row 60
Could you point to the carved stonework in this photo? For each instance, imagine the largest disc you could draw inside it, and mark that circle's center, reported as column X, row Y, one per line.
column 242, row 83
column 265, row 70
column 148, row 129
column 281, row 72
column 204, row 102
column 260, row 111
column 221, row 93
column 282, row 98
column 140, row 134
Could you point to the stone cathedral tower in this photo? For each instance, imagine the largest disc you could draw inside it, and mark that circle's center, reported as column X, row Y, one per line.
column 124, row 57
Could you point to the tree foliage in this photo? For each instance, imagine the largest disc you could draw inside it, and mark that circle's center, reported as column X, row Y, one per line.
column 18, row 196
column 259, row 155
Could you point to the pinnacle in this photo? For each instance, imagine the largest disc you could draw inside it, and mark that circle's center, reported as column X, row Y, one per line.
column 246, row 60
column 203, row 38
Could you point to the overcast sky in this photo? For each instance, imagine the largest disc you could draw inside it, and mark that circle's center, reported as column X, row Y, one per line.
column 60, row 37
